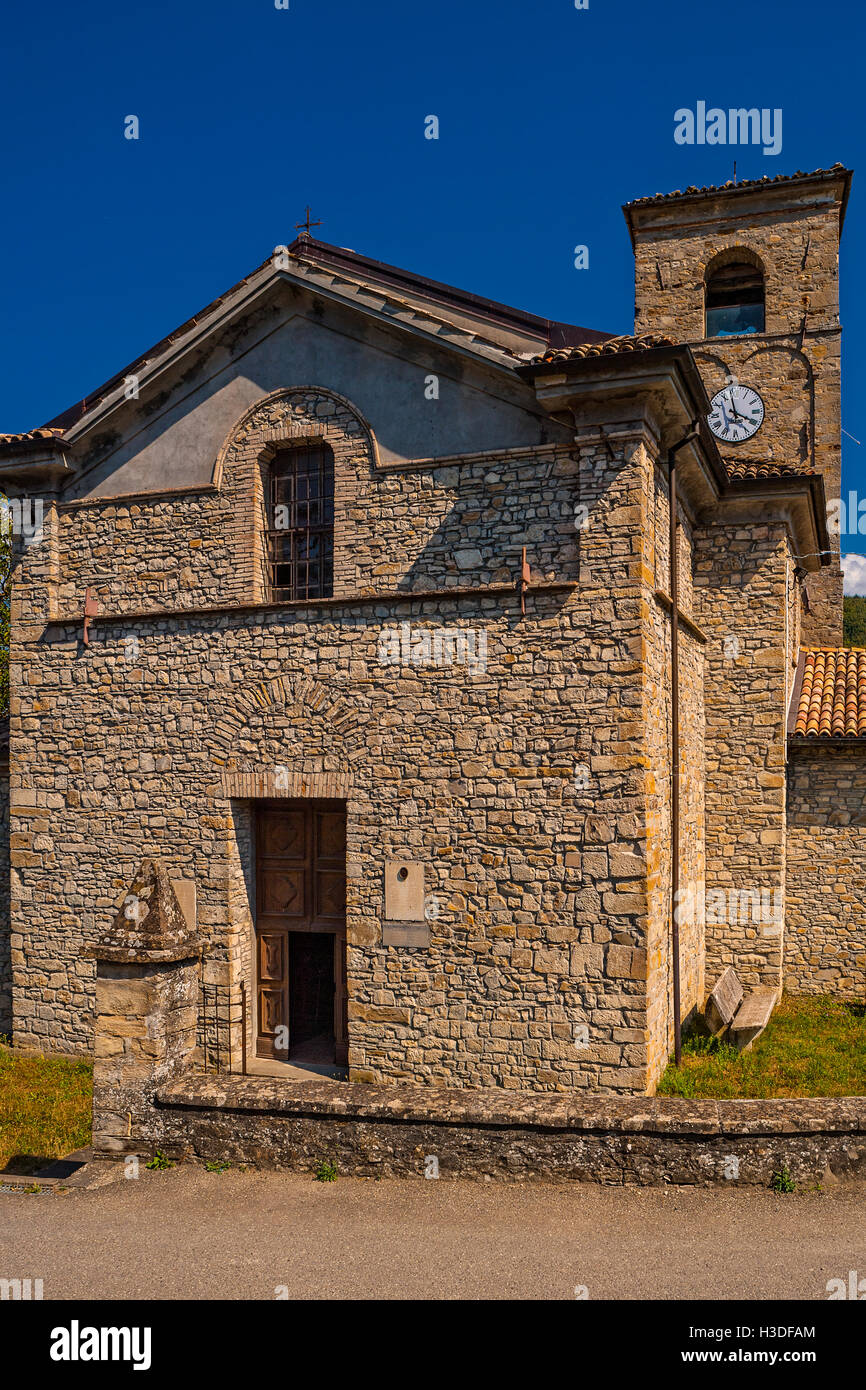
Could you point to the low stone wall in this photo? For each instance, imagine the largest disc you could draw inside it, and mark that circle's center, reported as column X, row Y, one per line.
column 397, row 1131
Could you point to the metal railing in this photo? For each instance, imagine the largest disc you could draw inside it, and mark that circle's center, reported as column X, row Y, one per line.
column 222, row 1014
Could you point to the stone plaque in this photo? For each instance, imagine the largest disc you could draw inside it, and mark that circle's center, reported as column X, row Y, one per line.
column 405, row 934
column 404, row 891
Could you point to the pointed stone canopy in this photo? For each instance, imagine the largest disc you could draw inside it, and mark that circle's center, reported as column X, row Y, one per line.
column 149, row 924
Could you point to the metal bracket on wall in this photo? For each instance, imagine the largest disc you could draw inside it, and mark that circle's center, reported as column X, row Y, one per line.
column 602, row 434
column 524, row 581
column 91, row 608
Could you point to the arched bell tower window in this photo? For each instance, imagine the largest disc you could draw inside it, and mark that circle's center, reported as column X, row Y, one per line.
column 734, row 297
column 301, row 523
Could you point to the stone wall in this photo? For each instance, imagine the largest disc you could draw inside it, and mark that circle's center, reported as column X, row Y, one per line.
column 536, row 973
column 148, row 1096
column 5, row 935
column 371, row 1131
column 145, row 1035
column 825, row 933
column 793, row 233
column 741, row 581
column 413, row 529
column 657, row 717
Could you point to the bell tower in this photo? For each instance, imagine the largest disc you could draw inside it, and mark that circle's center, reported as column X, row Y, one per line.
column 748, row 275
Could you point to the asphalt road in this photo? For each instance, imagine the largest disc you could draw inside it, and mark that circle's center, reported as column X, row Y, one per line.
column 188, row 1234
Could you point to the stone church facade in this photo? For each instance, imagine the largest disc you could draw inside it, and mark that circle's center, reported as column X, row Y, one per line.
column 351, row 608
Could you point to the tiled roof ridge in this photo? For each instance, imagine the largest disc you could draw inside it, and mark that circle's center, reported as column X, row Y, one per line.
column 626, row 342
column 764, row 182
column 832, row 699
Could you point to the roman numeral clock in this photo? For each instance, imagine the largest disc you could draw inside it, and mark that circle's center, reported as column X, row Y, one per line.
column 737, row 413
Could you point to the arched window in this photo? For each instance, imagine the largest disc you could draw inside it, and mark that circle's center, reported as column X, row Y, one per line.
column 734, row 297
column 301, row 523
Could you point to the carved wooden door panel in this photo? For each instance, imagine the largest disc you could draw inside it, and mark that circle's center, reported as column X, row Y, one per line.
column 273, row 968
column 300, row 887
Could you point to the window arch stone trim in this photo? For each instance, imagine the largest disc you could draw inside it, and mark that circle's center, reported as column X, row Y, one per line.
column 292, row 415
column 732, row 255
column 251, row 418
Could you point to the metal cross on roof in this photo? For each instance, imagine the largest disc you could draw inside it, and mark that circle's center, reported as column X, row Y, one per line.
column 306, row 225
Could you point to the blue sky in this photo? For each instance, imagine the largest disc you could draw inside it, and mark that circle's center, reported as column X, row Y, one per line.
column 550, row 118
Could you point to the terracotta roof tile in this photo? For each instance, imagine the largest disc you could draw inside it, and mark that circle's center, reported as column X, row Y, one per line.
column 625, row 343
column 832, row 701
column 750, row 471
column 29, row 437
column 692, row 191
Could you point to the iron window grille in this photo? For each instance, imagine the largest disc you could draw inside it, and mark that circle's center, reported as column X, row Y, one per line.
column 301, row 523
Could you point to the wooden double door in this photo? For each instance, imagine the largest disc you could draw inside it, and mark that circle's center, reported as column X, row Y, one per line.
column 301, row 931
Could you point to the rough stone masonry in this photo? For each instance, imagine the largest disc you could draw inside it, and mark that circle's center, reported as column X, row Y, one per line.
column 483, row 472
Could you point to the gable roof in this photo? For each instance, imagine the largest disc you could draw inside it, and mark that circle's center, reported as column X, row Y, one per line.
column 73, row 413
column 470, row 321
column 499, row 317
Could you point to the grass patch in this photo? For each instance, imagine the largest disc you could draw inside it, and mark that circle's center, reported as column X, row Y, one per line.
column 814, row 1045
column 45, row 1109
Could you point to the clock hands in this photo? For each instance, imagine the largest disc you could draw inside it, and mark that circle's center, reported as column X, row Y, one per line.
column 731, row 424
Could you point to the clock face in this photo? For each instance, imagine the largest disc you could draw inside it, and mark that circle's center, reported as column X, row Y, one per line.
column 737, row 413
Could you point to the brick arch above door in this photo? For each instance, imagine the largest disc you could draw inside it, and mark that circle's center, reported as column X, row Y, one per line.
column 332, row 713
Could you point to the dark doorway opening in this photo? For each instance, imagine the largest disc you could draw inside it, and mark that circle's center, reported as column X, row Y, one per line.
column 311, row 997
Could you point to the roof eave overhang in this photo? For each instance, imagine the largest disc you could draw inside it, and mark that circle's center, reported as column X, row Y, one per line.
column 799, row 501
column 633, row 211
column 23, row 466
column 666, row 378
column 855, row 743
